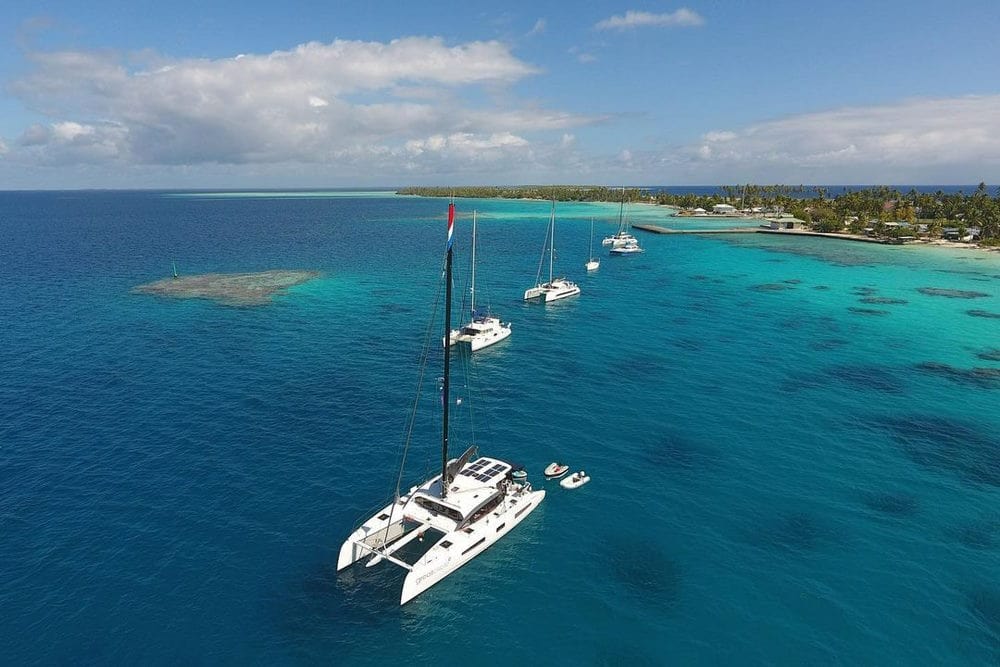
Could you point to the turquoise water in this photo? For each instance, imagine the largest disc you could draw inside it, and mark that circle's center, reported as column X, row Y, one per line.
column 782, row 472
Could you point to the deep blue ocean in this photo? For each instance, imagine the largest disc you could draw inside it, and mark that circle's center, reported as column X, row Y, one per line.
column 794, row 443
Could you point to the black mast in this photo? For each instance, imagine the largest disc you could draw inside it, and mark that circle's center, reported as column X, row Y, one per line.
column 445, row 401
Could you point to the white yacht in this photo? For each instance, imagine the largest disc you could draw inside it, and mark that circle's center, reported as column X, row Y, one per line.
column 593, row 263
column 555, row 288
column 483, row 329
column 622, row 237
column 619, row 239
column 443, row 523
column 626, row 249
column 482, row 504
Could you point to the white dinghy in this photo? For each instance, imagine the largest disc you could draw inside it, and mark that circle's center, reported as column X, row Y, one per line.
column 575, row 480
column 555, row 470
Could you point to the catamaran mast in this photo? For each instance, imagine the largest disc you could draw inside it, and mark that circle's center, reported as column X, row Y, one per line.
column 621, row 213
column 552, row 231
column 447, row 355
column 473, row 290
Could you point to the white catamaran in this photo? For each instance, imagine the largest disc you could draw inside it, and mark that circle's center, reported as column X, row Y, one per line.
column 482, row 330
column 443, row 523
column 622, row 237
column 559, row 288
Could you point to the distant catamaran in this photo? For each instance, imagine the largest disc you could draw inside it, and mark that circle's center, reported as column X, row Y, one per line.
column 443, row 523
column 554, row 289
column 483, row 329
column 622, row 237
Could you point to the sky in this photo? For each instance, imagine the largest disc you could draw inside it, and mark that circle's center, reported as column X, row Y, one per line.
column 255, row 94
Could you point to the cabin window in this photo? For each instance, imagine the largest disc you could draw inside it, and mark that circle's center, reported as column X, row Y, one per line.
column 488, row 507
column 446, row 544
column 437, row 508
column 500, row 527
column 481, row 540
column 383, row 516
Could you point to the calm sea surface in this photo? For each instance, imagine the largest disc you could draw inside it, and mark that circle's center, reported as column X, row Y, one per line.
column 794, row 443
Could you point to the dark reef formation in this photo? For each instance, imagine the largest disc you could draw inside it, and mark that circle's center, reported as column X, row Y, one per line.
column 228, row 289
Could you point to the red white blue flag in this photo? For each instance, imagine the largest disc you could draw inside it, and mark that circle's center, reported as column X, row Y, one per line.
column 451, row 222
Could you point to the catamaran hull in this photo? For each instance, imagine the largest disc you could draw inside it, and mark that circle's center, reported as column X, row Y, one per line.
column 626, row 250
column 543, row 295
column 375, row 533
column 486, row 332
column 479, row 342
column 462, row 546
column 618, row 241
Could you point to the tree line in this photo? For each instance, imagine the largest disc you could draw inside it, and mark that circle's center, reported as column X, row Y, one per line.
column 855, row 209
column 546, row 192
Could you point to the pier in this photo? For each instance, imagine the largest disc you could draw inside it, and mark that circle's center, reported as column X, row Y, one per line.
column 657, row 229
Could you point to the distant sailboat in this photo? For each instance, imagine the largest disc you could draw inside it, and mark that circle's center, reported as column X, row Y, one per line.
column 623, row 243
column 482, row 330
column 622, row 237
column 554, row 289
column 593, row 263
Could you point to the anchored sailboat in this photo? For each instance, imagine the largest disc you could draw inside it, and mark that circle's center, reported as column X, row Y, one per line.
column 554, row 289
column 622, row 237
column 443, row 523
column 593, row 263
column 482, row 330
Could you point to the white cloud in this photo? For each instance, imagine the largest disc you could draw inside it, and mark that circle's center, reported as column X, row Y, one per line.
column 316, row 103
column 683, row 17
column 464, row 144
column 70, row 142
column 581, row 55
column 69, row 131
column 719, row 136
column 906, row 142
column 538, row 28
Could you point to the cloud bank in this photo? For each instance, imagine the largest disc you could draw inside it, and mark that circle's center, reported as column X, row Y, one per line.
column 397, row 104
column 417, row 110
column 893, row 143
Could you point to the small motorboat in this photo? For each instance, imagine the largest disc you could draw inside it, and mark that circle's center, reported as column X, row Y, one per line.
column 575, row 480
column 556, row 470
